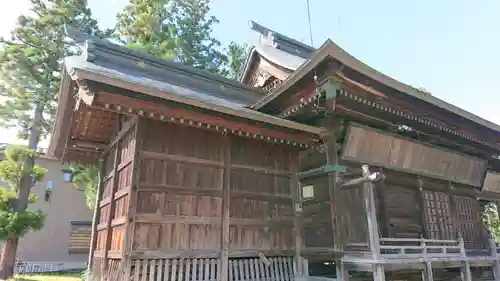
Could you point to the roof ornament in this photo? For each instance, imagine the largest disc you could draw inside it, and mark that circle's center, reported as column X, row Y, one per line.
column 269, row 39
column 75, row 34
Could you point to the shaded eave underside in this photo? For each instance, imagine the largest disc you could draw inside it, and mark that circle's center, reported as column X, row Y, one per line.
column 89, row 71
column 330, row 49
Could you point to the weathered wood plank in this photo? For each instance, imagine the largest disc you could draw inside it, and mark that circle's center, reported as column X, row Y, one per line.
column 95, row 217
column 114, row 188
column 132, row 198
column 368, row 145
column 225, row 216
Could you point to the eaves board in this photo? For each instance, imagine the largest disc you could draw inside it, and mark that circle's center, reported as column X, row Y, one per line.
column 371, row 146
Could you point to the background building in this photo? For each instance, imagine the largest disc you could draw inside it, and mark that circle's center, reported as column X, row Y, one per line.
column 65, row 237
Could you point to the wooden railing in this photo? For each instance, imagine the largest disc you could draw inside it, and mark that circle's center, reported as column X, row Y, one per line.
column 420, row 248
column 24, row 267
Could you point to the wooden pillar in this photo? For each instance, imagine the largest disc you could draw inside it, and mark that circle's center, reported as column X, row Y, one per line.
column 333, row 186
column 371, row 219
column 342, row 272
column 128, row 239
column 423, row 212
column 465, row 268
column 493, row 252
column 297, row 205
column 427, row 274
column 112, row 205
column 226, row 200
column 95, row 217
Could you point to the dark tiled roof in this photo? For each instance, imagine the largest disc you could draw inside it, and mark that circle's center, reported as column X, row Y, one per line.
column 109, row 59
column 288, row 52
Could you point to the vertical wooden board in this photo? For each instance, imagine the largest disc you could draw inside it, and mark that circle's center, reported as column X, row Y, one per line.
column 441, row 224
column 492, row 182
column 117, row 235
column 403, row 212
column 468, row 216
column 107, row 186
column 186, row 141
column 355, row 229
column 121, row 207
column 101, row 240
column 125, row 176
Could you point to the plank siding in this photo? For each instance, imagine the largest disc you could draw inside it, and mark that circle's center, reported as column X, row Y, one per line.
column 355, row 227
column 469, row 222
column 370, row 146
column 492, row 182
column 402, row 211
column 317, row 220
column 171, row 189
column 439, row 215
column 180, row 196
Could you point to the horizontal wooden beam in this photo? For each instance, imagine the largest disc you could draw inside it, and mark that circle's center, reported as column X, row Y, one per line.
column 211, row 253
column 130, row 124
column 193, row 118
column 175, row 219
column 325, row 169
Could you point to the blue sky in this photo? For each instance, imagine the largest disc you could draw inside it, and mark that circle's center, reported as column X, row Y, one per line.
column 452, row 48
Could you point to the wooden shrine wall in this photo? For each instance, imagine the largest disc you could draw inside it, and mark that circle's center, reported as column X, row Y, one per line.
column 400, row 211
column 318, row 220
column 370, row 146
column 492, row 182
column 416, row 198
column 113, row 206
column 184, row 175
column 316, row 215
column 431, row 209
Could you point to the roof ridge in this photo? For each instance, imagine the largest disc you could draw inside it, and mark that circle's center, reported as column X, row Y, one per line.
column 92, row 45
column 281, row 38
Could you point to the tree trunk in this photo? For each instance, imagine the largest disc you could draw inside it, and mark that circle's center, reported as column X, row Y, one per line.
column 7, row 261
column 9, row 250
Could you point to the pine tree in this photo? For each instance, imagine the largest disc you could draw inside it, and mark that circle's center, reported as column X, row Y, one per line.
column 141, row 25
column 13, row 222
column 236, row 56
column 177, row 29
column 30, row 65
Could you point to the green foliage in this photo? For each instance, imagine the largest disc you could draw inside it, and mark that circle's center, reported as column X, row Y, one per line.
column 424, row 90
column 86, row 179
column 236, row 56
column 179, row 30
column 491, row 220
column 141, row 25
column 11, row 166
column 14, row 224
column 30, row 60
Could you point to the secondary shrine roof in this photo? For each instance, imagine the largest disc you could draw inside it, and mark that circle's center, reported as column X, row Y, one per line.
column 300, row 59
column 110, row 64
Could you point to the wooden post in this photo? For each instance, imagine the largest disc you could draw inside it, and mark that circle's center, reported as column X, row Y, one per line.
column 342, row 272
column 226, row 200
column 494, row 253
column 465, row 269
column 371, row 219
column 95, row 217
column 427, row 274
column 112, row 205
column 132, row 201
column 297, row 205
column 421, row 204
column 333, row 187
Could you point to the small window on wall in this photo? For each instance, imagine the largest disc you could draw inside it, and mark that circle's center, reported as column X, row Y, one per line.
column 308, row 191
